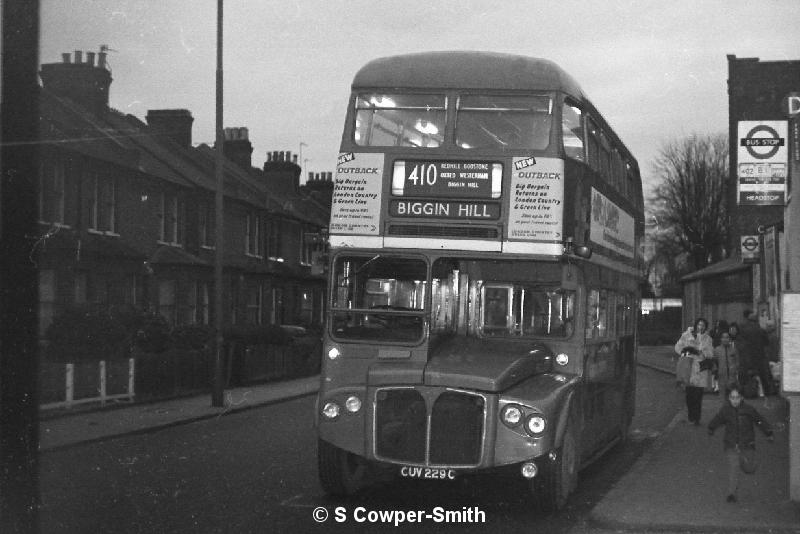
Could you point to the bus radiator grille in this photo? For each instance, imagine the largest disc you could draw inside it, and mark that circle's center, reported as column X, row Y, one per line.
column 475, row 232
column 456, row 429
column 455, row 436
column 400, row 420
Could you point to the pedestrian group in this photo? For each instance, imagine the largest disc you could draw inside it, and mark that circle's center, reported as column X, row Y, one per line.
column 733, row 360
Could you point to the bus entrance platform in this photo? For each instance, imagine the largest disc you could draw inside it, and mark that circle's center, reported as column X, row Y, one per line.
column 679, row 483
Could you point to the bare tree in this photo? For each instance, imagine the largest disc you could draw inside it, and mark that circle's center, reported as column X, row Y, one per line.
column 690, row 199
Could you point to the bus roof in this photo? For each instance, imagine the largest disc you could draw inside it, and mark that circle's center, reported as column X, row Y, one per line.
column 466, row 70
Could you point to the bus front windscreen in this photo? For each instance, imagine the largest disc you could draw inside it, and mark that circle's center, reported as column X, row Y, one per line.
column 379, row 298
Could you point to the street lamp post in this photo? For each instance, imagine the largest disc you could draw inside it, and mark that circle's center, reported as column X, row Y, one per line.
column 217, row 386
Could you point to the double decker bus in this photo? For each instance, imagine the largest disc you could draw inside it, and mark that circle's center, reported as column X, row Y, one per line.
column 483, row 277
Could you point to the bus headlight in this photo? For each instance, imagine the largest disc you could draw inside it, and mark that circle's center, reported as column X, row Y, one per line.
column 535, row 424
column 352, row 404
column 511, row 415
column 333, row 353
column 331, row 410
column 562, row 359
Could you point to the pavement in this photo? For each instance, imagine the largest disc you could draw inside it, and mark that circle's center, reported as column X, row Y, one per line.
column 677, row 485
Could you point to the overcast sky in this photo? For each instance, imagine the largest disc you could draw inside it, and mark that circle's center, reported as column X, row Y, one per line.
column 657, row 70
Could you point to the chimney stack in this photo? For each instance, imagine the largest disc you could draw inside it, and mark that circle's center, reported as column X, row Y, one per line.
column 282, row 171
column 175, row 124
column 237, row 147
column 84, row 83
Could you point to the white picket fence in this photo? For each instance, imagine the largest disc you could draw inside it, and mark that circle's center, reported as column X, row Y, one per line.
column 102, row 392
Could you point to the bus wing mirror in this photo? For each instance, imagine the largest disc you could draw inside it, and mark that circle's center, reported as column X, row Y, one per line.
column 582, row 251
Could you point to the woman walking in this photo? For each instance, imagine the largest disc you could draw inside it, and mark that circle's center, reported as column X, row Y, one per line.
column 697, row 352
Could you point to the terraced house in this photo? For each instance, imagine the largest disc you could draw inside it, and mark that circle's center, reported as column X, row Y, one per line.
column 127, row 213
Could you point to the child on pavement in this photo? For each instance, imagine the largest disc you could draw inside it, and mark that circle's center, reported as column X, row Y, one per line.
column 739, row 440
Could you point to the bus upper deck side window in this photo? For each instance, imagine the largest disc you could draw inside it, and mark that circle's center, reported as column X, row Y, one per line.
column 572, row 131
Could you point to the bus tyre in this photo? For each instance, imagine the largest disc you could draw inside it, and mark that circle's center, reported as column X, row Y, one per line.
column 557, row 478
column 341, row 473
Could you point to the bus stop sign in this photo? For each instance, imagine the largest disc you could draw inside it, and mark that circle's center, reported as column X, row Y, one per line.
column 764, row 146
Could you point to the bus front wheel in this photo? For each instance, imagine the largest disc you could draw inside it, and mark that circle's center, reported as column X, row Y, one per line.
column 557, row 478
column 341, row 473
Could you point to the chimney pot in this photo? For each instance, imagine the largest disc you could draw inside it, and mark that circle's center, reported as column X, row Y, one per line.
column 294, row 159
column 65, row 57
column 101, row 60
column 275, row 155
column 90, row 58
column 78, row 56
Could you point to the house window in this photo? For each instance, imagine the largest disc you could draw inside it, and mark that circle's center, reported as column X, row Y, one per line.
column 306, row 306
column 307, row 246
column 276, row 306
column 166, row 300
column 253, row 234
column 131, row 289
column 274, row 239
column 171, row 219
column 187, row 311
column 47, row 299
column 52, row 192
column 206, row 224
column 102, row 204
column 254, row 304
column 203, row 303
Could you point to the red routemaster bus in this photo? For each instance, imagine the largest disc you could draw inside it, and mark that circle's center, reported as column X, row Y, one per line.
column 483, row 278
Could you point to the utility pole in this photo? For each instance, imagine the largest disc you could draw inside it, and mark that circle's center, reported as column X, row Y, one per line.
column 790, row 318
column 219, row 345
column 19, row 355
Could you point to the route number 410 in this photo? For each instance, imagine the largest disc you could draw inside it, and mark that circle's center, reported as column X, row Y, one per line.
column 423, row 174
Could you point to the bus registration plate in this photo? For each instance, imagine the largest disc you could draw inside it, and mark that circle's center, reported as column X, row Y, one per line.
column 427, row 473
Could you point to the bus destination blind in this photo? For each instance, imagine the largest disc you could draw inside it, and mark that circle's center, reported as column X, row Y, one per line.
column 437, row 179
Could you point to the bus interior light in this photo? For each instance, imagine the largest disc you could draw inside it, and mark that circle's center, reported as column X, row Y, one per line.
column 398, row 177
column 497, row 180
column 426, row 127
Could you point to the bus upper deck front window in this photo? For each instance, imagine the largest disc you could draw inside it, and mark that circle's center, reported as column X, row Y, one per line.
column 390, row 119
column 504, row 122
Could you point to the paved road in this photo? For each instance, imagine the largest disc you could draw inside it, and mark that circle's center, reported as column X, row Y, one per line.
column 255, row 471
